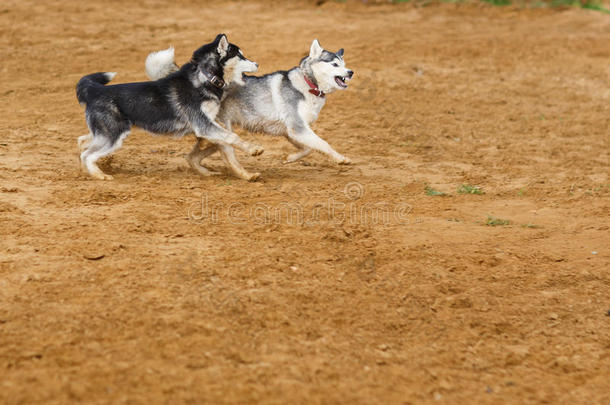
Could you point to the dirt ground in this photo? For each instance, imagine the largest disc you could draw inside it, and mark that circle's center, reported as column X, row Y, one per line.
column 318, row 283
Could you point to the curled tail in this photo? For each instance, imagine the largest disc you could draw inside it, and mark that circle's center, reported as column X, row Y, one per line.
column 160, row 64
column 89, row 83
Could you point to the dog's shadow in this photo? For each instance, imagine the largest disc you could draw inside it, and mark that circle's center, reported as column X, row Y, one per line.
column 126, row 168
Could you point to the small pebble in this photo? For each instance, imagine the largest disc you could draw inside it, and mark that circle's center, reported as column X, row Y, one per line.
column 94, row 256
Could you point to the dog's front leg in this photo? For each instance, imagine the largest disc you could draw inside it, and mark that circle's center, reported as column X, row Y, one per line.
column 200, row 154
column 300, row 154
column 228, row 156
column 301, row 134
column 224, row 141
column 196, row 155
column 220, row 136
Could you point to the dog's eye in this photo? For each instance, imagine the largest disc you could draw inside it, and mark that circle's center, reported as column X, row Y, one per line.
column 335, row 64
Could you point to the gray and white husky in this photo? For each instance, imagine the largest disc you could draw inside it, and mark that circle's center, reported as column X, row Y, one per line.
column 280, row 103
column 185, row 101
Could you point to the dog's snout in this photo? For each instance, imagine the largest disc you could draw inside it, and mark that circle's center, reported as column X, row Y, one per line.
column 350, row 73
column 256, row 65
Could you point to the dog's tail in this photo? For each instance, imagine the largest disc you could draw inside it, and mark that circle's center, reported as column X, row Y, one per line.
column 88, row 84
column 160, row 64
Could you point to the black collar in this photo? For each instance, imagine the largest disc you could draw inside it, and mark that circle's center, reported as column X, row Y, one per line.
column 214, row 80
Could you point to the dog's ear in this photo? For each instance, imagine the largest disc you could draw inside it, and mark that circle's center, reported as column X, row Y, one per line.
column 340, row 53
column 316, row 50
column 222, row 45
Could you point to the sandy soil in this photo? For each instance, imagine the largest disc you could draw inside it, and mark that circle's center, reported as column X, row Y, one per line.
column 319, row 283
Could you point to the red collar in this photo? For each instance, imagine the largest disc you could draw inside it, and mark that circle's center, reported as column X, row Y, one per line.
column 313, row 89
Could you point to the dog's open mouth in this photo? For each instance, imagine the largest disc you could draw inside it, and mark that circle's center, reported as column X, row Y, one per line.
column 341, row 81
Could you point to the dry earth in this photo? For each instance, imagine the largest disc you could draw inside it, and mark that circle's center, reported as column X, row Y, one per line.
column 319, row 283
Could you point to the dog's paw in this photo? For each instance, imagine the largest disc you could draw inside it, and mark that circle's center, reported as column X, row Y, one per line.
column 343, row 161
column 256, row 150
column 206, row 172
column 292, row 158
column 253, row 176
column 102, row 176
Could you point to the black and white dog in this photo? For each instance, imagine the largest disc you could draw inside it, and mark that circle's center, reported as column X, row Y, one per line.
column 186, row 101
column 281, row 103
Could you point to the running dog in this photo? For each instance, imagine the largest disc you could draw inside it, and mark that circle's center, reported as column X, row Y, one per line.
column 280, row 103
column 185, row 101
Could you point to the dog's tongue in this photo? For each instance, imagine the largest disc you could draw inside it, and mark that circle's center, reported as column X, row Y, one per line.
column 340, row 81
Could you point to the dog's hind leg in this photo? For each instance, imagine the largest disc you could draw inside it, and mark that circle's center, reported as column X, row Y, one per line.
column 100, row 146
column 197, row 154
column 84, row 141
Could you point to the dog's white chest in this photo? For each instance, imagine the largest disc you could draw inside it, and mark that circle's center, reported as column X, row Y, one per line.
column 311, row 108
column 210, row 109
